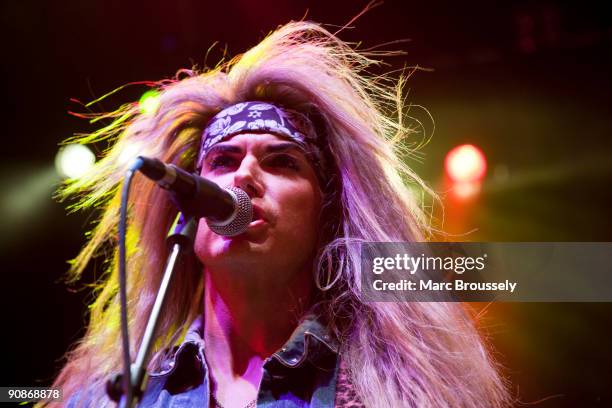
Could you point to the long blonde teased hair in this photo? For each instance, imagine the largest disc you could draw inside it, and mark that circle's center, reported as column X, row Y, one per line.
column 406, row 354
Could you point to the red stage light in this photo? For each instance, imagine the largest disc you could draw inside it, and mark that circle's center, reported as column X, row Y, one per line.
column 465, row 163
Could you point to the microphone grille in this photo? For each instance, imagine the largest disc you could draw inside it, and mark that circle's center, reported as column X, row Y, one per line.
column 240, row 219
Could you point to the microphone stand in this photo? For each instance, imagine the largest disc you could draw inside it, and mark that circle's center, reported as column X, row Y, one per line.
column 180, row 238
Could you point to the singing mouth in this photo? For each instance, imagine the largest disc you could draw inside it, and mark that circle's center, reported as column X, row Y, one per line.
column 258, row 213
column 256, row 223
column 258, row 217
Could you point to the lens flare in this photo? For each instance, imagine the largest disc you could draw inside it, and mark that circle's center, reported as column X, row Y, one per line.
column 465, row 163
column 149, row 102
column 73, row 161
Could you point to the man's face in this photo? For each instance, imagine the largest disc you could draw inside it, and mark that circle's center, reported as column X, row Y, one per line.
column 286, row 200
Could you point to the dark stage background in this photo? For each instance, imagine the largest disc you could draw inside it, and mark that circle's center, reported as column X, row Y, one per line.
column 528, row 82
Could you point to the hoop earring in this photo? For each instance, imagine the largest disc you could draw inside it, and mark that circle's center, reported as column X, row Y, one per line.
column 330, row 282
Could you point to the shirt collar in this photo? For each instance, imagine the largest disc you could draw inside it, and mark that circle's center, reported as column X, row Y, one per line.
column 310, row 341
column 193, row 344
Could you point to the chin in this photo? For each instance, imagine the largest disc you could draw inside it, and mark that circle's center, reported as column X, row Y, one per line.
column 241, row 249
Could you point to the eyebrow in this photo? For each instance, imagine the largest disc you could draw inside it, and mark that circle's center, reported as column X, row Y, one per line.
column 271, row 148
column 224, row 149
column 282, row 147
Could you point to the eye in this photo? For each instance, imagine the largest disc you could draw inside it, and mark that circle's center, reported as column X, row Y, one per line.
column 284, row 161
column 221, row 161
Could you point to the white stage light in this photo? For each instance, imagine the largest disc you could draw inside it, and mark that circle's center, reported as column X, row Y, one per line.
column 72, row 161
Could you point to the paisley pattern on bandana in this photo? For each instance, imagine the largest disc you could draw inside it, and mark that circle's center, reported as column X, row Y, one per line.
column 259, row 117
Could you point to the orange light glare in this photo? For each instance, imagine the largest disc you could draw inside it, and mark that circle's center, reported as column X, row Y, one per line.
column 465, row 163
column 466, row 190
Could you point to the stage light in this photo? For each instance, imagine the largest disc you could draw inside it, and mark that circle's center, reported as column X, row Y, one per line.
column 149, row 102
column 466, row 189
column 73, row 161
column 465, row 164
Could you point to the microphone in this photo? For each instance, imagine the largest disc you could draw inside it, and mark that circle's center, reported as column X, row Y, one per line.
column 228, row 212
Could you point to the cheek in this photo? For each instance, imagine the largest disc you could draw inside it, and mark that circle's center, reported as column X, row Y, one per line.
column 302, row 211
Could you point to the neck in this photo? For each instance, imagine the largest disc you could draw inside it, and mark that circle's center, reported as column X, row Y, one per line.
column 247, row 320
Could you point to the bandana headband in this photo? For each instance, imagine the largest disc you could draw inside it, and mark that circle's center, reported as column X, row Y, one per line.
column 260, row 117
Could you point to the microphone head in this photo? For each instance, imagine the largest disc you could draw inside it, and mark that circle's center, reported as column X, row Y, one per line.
column 238, row 222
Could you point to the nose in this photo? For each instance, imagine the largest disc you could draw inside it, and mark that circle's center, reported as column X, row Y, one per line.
column 248, row 177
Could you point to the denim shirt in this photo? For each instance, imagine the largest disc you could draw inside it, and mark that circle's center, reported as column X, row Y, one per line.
column 302, row 373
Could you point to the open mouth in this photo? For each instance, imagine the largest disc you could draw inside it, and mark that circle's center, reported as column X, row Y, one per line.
column 257, row 216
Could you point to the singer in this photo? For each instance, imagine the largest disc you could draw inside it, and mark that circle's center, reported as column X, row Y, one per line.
column 274, row 316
